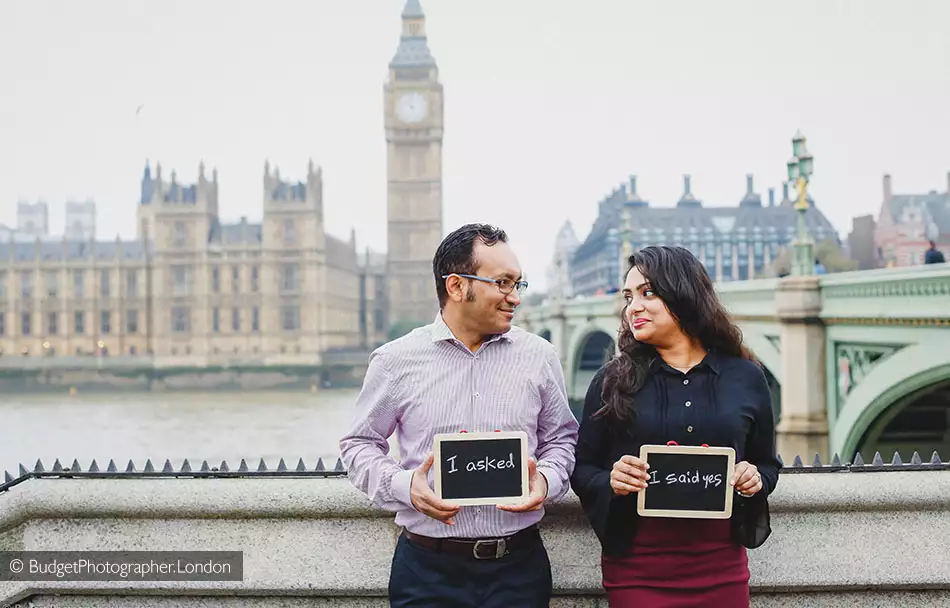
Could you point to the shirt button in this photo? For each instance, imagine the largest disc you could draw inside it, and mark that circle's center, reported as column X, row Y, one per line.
column 476, row 395
column 689, row 403
column 686, row 381
column 689, row 429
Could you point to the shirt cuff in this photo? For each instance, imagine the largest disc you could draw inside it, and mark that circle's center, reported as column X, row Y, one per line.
column 401, row 483
column 555, row 487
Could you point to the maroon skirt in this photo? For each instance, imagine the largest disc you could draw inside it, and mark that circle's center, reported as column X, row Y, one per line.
column 679, row 563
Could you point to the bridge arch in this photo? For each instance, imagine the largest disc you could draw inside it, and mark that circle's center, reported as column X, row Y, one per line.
column 765, row 351
column 591, row 346
column 907, row 374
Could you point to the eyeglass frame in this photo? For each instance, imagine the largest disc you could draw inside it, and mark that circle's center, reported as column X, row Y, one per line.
column 514, row 284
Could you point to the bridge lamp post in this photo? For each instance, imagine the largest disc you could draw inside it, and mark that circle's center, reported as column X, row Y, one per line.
column 800, row 169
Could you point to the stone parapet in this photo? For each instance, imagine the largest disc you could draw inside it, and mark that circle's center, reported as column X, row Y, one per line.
column 839, row 538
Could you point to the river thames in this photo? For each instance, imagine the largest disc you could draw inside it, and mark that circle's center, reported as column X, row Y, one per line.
column 212, row 426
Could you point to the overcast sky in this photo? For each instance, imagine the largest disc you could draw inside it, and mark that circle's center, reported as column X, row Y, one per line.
column 550, row 104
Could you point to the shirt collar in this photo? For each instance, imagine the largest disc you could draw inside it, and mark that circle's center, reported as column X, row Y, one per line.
column 711, row 362
column 440, row 331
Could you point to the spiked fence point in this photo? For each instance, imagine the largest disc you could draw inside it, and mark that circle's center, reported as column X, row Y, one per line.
column 262, row 466
column 112, row 468
column 7, row 478
column 57, row 467
column 224, row 466
column 301, row 467
column 93, row 467
column 149, row 467
column 878, row 461
column 75, row 465
column 836, row 461
column 935, row 459
column 915, row 458
column 23, row 470
column 817, row 461
column 281, row 466
column 339, row 468
column 858, row 460
column 243, row 467
column 320, row 466
column 204, row 467
column 39, row 467
column 185, row 466
column 780, row 461
column 797, row 463
column 896, row 459
column 130, row 468
column 168, row 467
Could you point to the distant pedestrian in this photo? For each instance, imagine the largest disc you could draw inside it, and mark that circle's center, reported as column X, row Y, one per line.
column 933, row 255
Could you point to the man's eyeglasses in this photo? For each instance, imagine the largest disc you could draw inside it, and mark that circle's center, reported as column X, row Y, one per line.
column 505, row 286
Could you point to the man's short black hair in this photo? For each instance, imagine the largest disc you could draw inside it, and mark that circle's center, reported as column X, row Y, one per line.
column 455, row 254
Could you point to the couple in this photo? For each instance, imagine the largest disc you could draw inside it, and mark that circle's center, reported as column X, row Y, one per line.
column 681, row 374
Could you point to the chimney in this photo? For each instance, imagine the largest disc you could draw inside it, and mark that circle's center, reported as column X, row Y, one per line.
column 686, row 186
column 748, row 184
column 785, row 198
column 771, row 197
column 888, row 193
column 948, row 182
column 633, row 184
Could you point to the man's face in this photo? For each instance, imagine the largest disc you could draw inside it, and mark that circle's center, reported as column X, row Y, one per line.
column 486, row 309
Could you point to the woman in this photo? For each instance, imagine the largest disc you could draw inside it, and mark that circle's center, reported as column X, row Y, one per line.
column 681, row 375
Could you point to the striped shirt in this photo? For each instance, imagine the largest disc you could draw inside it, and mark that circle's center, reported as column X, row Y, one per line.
column 429, row 382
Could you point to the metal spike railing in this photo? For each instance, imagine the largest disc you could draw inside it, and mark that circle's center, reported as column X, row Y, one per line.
column 75, row 470
column 321, row 470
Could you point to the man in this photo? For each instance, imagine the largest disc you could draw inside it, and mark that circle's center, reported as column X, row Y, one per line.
column 468, row 370
column 933, row 255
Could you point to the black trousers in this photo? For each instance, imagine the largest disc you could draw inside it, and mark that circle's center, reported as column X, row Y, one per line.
column 421, row 577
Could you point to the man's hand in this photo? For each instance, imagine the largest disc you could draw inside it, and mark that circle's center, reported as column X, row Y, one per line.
column 537, row 491
column 746, row 479
column 425, row 500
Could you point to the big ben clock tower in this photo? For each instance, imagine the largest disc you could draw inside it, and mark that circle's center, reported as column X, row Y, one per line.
column 413, row 107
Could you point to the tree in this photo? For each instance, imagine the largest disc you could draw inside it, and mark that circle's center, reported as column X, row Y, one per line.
column 401, row 328
column 827, row 252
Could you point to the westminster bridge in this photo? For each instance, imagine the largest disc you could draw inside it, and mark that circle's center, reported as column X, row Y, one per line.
column 858, row 361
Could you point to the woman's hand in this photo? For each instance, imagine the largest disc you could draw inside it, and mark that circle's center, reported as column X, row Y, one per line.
column 746, row 479
column 629, row 474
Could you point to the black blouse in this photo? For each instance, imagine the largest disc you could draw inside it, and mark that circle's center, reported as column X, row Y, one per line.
column 723, row 401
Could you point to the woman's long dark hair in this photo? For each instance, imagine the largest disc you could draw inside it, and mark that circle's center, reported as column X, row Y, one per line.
column 681, row 281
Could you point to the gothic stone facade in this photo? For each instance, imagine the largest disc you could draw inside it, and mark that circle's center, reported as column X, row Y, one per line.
column 190, row 289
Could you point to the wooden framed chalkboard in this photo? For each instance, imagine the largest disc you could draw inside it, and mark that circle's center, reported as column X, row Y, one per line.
column 687, row 482
column 481, row 468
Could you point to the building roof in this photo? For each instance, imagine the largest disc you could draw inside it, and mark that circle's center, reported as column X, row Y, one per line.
column 235, row 234
column 934, row 208
column 413, row 51
column 682, row 223
column 71, row 250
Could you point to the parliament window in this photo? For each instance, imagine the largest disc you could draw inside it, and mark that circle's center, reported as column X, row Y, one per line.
column 181, row 319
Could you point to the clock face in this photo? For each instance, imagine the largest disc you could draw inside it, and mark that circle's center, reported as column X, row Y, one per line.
column 412, row 107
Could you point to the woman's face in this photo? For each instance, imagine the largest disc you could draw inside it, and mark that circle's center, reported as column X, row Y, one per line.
column 647, row 315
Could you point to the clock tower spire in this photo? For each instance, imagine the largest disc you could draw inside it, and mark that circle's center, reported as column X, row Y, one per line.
column 413, row 119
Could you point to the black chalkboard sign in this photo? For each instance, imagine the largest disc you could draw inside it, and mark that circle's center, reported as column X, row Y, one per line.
column 687, row 482
column 481, row 468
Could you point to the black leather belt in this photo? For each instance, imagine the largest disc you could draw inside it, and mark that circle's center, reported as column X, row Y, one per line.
column 479, row 548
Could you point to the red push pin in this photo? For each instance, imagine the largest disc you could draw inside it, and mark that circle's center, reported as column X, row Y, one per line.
column 669, row 443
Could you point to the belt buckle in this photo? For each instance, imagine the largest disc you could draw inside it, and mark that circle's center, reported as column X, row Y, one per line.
column 500, row 549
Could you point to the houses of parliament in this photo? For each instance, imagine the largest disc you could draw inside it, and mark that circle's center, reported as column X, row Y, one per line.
column 191, row 290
